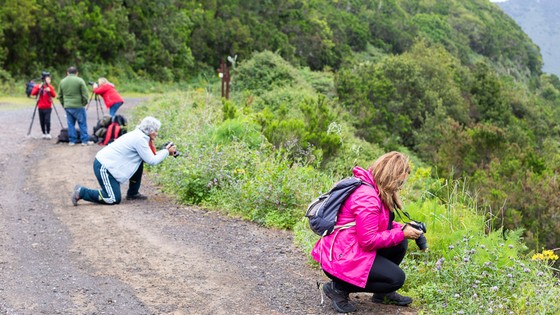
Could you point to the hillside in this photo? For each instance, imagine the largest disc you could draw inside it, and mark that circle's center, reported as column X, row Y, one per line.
column 540, row 19
column 458, row 84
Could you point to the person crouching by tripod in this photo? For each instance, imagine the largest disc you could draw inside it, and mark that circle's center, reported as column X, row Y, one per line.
column 111, row 97
column 45, row 92
column 123, row 160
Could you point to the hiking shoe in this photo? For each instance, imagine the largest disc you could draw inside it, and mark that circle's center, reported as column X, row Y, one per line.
column 138, row 196
column 76, row 195
column 391, row 298
column 339, row 298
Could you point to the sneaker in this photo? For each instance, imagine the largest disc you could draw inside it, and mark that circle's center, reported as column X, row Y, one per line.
column 76, row 195
column 339, row 298
column 87, row 143
column 138, row 196
column 44, row 136
column 391, row 298
column 48, row 136
column 71, row 143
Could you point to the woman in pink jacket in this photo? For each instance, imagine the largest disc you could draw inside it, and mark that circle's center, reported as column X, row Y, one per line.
column 111, row 97
column 366, row 256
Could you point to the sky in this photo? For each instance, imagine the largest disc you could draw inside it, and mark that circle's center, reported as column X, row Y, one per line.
column 498, row 0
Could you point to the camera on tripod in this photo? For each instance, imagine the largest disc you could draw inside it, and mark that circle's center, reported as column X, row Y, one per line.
column 169, row 143
column 44, row 75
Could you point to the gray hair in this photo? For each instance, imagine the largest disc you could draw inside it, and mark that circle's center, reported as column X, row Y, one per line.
column 149, row 125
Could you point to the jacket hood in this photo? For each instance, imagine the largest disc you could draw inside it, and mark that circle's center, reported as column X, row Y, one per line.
column 364, row 175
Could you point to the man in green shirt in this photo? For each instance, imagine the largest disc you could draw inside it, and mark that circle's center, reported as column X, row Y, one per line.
column 73, row 95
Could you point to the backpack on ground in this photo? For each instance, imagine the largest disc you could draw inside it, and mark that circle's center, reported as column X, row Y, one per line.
column 29, row 87
column 63, row 136
column 116, row 128
column 100, row 129
column 323, row 211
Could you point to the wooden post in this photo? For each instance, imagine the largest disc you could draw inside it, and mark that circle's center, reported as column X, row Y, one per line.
column 225, row 75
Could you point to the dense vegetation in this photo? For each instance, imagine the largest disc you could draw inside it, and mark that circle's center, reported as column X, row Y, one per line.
column 320, row 86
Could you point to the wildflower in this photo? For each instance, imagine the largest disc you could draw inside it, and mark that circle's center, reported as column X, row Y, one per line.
column 545, row 256
column 451, row 247
column 509, row 275
column 482, row 246
column 510, row 246
column 494, row 288
column 526, row 270
column 466, row 259
column 540, row 274
column 456, row 296
column 488, row 263
column 439, row 263
column 475, row 295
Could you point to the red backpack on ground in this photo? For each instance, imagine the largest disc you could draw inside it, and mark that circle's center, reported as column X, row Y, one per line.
column 116, row 128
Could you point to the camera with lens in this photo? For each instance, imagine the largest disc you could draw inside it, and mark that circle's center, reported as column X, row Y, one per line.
column 91, row 83
column 421, row 241
column 169, row 143
column 44, row 75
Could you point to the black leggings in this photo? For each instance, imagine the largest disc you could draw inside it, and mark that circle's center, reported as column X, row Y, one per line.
column 45, row 120
column 385, row 275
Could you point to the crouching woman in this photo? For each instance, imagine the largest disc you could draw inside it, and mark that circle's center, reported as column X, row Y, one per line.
column 366, row 256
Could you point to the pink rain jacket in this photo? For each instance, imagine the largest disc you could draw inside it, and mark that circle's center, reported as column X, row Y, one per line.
column 348, row 254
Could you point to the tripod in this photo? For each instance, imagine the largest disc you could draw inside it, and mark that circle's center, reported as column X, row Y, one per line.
column 98, row 105
column 37, row 105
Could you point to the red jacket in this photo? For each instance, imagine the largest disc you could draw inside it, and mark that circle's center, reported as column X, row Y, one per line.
column 349, row 254
column 109, row 94
column 45, row 99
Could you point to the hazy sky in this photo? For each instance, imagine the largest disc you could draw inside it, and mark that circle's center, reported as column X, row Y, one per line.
column 498, row 0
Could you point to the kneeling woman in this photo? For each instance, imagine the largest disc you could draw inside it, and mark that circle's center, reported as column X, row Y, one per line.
column 366, row 256
column 123, row 160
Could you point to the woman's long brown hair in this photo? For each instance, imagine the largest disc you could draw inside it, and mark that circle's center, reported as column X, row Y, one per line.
column 390, row 171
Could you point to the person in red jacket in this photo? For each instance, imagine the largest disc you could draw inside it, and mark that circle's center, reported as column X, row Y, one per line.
column 110, row 95
column 46, row 93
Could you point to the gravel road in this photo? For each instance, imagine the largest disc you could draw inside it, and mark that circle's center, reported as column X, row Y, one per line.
column 139, row 257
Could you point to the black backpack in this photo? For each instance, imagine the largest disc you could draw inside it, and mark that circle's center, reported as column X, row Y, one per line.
column 323, row 211
column 63, row 136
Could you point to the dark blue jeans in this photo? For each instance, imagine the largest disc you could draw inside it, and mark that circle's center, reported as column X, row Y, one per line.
column 79, row 115
column 113, row 109
column 110, row 192
column 385, row 275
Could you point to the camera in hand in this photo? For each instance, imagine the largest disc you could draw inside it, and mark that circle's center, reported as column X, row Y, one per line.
column 421, row 241
column 91, row 83
column 176, row 154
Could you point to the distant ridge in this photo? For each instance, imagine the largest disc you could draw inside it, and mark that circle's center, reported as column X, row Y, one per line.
column 540, row 19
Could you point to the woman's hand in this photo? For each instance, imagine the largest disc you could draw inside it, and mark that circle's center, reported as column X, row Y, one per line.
column 411, row 233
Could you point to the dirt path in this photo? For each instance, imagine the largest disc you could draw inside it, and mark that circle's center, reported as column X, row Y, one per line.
column 153, row 257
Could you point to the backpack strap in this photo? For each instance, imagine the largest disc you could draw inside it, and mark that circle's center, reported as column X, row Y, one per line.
column 109, row 134
column 117, row 131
